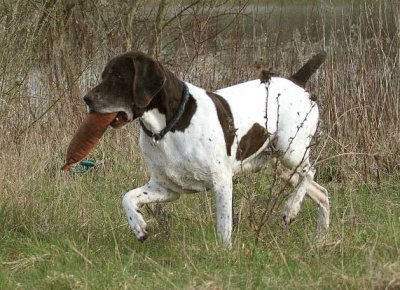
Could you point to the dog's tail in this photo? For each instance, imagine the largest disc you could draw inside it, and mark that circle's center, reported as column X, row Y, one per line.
column 302, row 75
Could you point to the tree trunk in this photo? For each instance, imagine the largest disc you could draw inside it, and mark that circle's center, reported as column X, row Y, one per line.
column 157, row 28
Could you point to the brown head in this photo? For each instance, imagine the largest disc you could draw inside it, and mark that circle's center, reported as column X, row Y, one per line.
column 132, row 83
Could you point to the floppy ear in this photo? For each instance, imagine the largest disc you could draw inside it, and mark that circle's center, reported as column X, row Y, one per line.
column 148, row 80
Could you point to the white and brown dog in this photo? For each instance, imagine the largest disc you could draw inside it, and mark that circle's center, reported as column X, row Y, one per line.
column 194, row 140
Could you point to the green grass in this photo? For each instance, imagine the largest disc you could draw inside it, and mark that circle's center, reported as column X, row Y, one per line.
column 64, row 232
column 59, row 231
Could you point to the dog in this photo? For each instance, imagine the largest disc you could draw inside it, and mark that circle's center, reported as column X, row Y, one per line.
column 195, row 140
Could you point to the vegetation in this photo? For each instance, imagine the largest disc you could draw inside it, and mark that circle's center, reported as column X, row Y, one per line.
column 61, row 231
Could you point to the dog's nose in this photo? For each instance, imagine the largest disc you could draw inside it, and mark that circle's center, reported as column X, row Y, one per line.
column 87, row 99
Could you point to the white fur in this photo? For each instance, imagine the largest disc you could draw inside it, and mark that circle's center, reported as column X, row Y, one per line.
column 196, row 159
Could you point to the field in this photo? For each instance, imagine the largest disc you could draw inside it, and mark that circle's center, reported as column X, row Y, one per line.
column 68, row 231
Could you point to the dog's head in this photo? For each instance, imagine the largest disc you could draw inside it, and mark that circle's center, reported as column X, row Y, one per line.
column 129, row 83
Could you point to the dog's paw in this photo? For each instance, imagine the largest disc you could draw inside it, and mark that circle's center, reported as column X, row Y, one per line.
column 140, row 233
column 138, row 225
column 290, row 212
column 289, row 215
column 287, row 220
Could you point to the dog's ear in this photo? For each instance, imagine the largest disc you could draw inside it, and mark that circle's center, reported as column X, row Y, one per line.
column 148, row 79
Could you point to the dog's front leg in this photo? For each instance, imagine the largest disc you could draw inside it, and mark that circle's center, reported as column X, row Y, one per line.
column 223, row 197
column 151, row 192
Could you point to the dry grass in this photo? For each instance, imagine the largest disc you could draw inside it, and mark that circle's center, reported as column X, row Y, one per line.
column 61, row 231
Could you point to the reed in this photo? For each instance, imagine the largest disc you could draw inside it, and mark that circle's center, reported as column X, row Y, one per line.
column 66, row 231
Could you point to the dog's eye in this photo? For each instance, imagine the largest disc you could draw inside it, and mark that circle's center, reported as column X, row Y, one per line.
column 117, row 75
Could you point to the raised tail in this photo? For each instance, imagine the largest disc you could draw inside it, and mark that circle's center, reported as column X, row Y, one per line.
column 301, row 77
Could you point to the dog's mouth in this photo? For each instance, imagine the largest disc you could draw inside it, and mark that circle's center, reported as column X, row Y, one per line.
column 120, row 120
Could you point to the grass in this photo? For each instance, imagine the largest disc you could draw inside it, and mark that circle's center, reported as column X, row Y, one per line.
column 70, row 232
column 62, row 231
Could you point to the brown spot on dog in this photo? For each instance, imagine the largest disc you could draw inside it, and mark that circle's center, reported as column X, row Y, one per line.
column 266, row 75
column 225, row 119
column 251, row 141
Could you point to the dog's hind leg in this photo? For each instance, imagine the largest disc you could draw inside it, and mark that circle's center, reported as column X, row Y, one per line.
column 300, row 183
column 320, row 196
column 305, row 184
column 151, row 192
